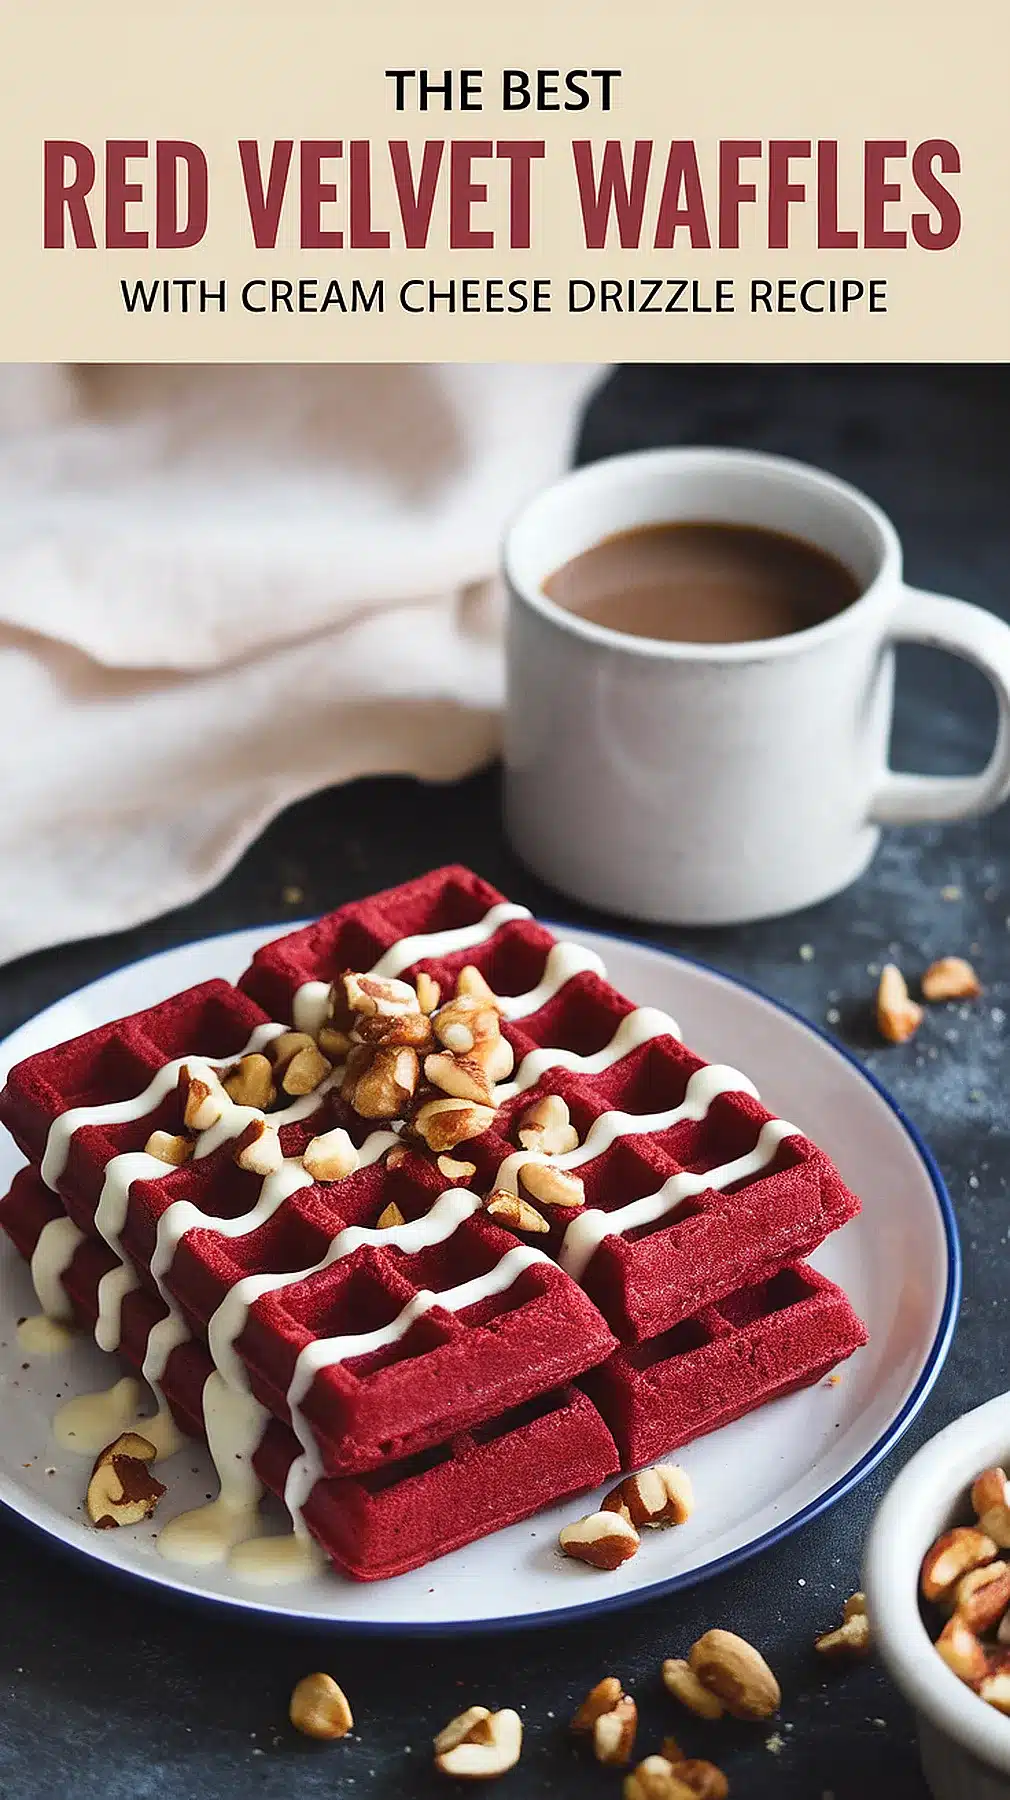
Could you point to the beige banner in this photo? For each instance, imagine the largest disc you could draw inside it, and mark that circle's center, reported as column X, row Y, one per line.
column 813, row 182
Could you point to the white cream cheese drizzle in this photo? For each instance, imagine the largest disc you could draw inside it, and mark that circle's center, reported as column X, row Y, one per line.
column 275, row 1560
column 564, row 960
column 233, row 1419
column 310, row 1007
column 589, row 1228
column 183, row 1215
column 53, row 1254
column 112, row 1291
column 228, row 1322
column 636, row 1028
column 89, row 1422
column 238, row 1420
column 40, row 1335
column 410, row 950
column 46, row 1333
column 110, row 1215
column 234, row 1424
column 704, row 1086
column 121, row 1112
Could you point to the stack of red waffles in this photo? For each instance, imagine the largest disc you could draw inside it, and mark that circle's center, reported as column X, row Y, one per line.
column 436, row 1381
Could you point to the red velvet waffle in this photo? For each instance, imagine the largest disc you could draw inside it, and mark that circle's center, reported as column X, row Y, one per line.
column 115, row 1061
column 713, row 1310
column 696, row 1378
column 376, row 1525
column 761, row 1342
column 451, row 1370
column 716, row 1240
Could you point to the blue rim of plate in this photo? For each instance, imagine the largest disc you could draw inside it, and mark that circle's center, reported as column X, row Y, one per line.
column 561, row 1616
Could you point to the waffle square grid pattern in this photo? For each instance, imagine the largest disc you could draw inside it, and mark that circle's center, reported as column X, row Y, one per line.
column 408, row 1388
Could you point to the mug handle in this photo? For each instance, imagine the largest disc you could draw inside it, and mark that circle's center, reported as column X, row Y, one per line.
column 983, row 639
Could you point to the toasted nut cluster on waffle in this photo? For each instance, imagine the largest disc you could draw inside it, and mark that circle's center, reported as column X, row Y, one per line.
column 409, row 1060
column 479, row 1745
column 469, row 1025
column 460, row 1076
column 433, row 1068
column 334, row 1044
column 662, row 1495
column 610, row 1717
column 604, row 1540
column 964, row 1577
column 404, row 1031
column 850, row 1641
column 306, row 1070
column 291, row 1067
column 319, row 1708
column 122, row 1489
column 723, row 1673
column 464, row 1023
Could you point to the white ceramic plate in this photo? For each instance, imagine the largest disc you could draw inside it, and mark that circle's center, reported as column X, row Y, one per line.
column 755, row 1480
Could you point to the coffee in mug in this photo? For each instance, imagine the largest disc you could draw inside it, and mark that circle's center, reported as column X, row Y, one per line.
column 696, row 581
column 707, row 765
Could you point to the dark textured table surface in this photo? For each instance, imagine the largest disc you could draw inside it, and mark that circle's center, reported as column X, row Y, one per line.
column 110, row 1693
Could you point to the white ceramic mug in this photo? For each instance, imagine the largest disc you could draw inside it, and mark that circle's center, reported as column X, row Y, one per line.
column 710, row 784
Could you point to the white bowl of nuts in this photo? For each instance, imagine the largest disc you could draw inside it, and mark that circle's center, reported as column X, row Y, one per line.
column 937, row 1580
